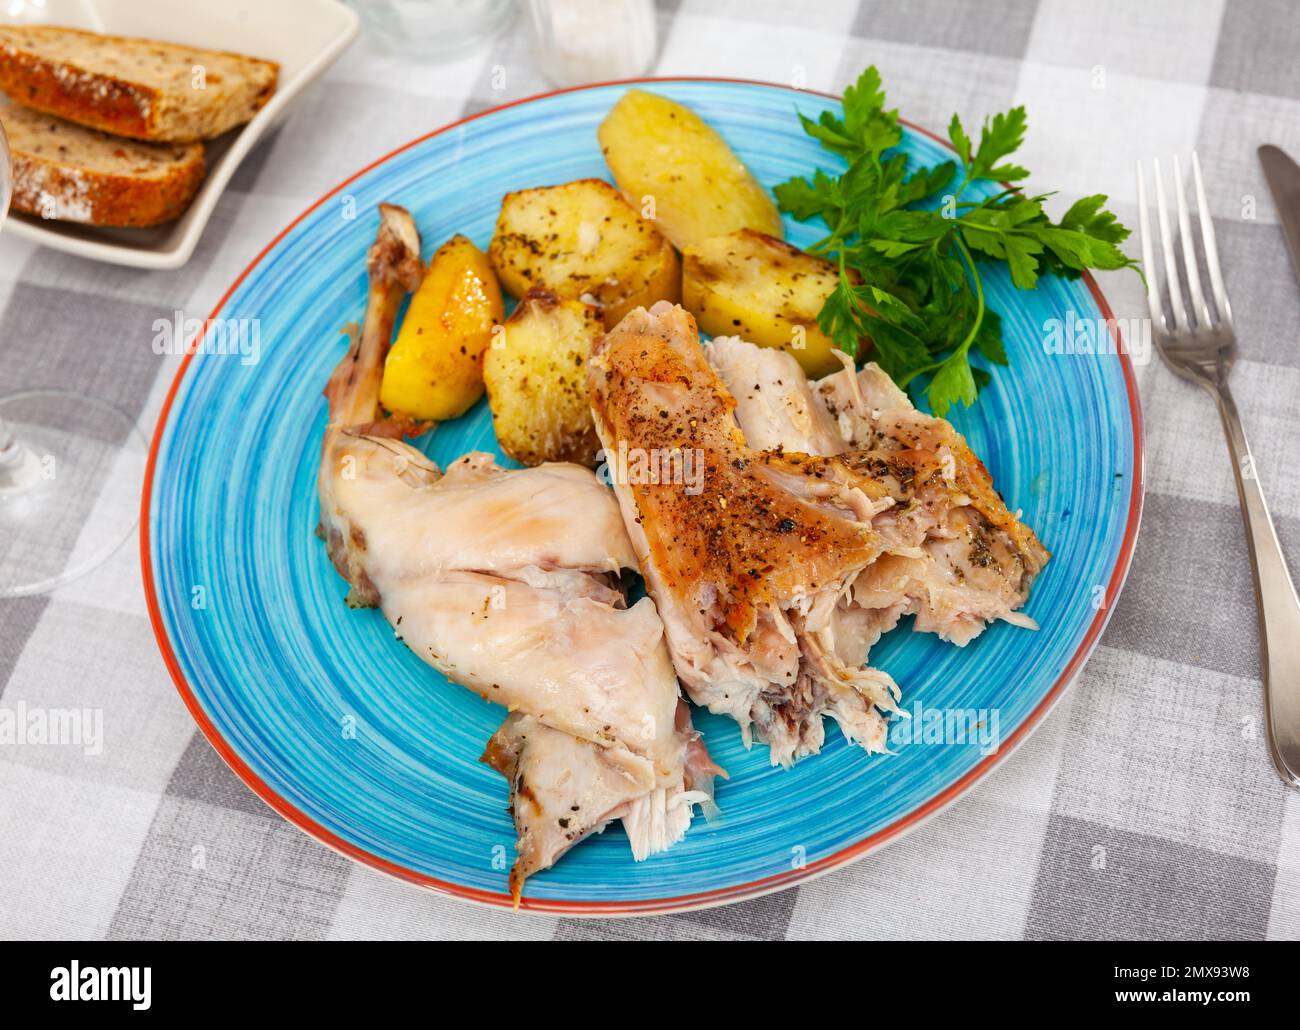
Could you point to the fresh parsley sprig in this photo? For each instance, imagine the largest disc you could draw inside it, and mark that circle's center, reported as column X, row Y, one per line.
column 909, row 244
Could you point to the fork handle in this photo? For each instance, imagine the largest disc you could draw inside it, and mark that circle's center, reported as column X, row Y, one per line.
column 1275, row 601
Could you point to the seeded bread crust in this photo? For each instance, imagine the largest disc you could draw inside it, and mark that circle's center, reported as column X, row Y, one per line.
column 67, row 172
column 77, row 91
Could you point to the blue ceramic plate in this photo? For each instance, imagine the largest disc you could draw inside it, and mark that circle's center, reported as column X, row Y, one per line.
column 349, row 736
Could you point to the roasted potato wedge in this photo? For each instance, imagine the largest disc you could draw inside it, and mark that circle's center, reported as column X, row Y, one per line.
column 433, row 371
column 659, row 149
column 583, row 241
column 750, row 285
column 536, row 375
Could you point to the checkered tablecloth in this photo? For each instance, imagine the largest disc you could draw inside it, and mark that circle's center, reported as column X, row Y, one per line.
column 1145, row 806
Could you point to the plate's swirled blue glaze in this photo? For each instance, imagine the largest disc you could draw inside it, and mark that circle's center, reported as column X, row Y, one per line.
column 346, row 733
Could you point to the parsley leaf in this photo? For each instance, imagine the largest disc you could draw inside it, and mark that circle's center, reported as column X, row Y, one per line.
column 909, row 247
column 1001, row 135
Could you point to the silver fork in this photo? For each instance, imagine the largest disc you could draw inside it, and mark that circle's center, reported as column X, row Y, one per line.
column 1201, row 346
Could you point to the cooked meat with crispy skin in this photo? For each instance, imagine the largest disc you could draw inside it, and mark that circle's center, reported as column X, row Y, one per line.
column 508, row 582
column 749, row 569
column 956, row 557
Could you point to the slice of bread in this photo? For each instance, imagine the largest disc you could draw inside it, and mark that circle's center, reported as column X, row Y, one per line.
column 68, row 172
column 140, row 88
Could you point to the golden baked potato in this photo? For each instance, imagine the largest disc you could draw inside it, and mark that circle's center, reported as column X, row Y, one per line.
column 433, row 370
column 583, row 241
column 659, row 149
column 750, row 285
column 536, row 375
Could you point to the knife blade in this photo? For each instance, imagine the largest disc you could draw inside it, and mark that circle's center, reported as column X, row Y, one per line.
column 1283, row 177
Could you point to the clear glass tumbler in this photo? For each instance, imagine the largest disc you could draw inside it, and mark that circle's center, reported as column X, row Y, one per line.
column 578, row 41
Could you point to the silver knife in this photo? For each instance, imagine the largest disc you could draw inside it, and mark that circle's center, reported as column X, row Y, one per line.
column 1283, row 176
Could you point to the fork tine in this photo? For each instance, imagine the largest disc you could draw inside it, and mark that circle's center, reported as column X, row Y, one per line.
column 1171, row 255
column 1148, row 261
column 1199, row 306
column 1210, row 244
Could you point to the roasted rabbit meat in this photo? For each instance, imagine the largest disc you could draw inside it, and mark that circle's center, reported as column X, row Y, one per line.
column 509, row 583
column 955, row 556
column 752, row 561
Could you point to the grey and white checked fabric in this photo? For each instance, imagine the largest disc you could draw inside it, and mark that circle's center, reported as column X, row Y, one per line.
column 1145, row 806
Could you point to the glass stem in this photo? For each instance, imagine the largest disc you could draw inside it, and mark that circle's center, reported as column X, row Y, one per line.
column 17, row 464
column 10, row 449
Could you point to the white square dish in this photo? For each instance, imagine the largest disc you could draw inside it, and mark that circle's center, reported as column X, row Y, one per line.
column 304, row 36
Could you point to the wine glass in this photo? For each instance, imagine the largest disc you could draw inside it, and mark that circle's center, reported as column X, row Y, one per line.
column 70, row 469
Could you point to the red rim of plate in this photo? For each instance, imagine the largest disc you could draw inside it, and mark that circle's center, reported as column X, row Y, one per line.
column 685, row 902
